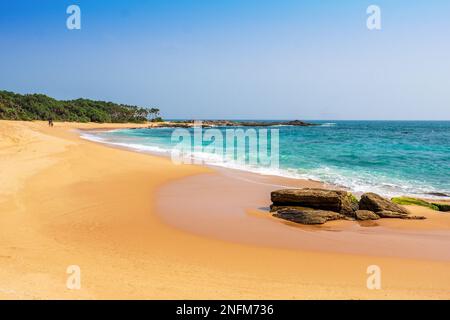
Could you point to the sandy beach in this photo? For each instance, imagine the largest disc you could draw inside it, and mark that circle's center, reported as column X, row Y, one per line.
column 134, row 225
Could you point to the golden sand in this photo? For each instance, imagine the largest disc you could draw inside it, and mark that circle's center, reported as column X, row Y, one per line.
column 67, row 201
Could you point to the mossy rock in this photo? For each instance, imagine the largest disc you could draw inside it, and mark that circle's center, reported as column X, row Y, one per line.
column 442, row 207
column 353, row 199
column 415, row 202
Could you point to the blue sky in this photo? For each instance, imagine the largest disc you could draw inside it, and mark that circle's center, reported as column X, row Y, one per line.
column 244, row 59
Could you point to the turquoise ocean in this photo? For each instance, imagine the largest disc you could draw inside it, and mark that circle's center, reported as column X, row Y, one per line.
column 388, row 157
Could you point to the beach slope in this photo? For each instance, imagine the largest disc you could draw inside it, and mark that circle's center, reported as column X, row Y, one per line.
column 66, row 201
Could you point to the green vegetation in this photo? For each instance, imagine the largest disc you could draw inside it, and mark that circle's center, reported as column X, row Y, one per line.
column 352, row 197
column 414, row 201
column 41, row 107
column 154, row 113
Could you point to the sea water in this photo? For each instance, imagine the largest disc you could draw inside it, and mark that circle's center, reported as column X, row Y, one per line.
column 388, row 157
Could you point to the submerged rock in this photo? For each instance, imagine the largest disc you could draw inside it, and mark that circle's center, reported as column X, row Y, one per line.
column 366, row 215
column 438, row 194
column 308, row 216
column 329, row 200
column 374, row 202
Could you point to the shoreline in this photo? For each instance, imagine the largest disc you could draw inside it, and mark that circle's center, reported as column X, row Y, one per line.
column 281, row 174
column 70, row 201
column 385, row 228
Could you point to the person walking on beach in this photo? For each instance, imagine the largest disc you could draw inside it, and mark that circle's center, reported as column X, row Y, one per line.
column 50, row 122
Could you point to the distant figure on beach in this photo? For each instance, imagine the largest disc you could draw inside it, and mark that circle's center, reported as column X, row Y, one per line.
column 50, row 122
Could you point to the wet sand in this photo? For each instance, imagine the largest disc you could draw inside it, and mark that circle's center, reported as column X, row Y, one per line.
column 234, row 206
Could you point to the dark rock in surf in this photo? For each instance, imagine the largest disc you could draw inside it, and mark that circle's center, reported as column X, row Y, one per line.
column 413, row 217
column 391, row 214
column 308, row 216
column 366, row 215
column 438, row 194
column 442, row 206
column 397, row 215
column 374, row 202
column 321, row 199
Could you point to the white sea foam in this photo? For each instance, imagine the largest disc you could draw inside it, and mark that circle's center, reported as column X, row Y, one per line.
column 328, row 124
column 359, row 185
column 354, row 181
column 91, row 137
column 133, row 146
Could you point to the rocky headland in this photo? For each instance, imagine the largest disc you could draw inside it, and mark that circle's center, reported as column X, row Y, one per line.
column 230, row 123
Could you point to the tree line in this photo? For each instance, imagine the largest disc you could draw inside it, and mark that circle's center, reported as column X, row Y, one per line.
column 15, row 106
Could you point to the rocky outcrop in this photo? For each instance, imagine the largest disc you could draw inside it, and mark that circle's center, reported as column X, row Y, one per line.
column 308, row 216
column 374, row 202
column 442, row 206
column 398, row 215
column 408, row 201
column 275, row 208
column 391, row 214
column 298, row 123
column 438, row 194
column 317, row 206
column 321, row 199
column 229, row 123
column 413, row 218
column 366, row 215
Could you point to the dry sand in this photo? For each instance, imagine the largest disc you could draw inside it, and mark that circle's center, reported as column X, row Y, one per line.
column 67, row 201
